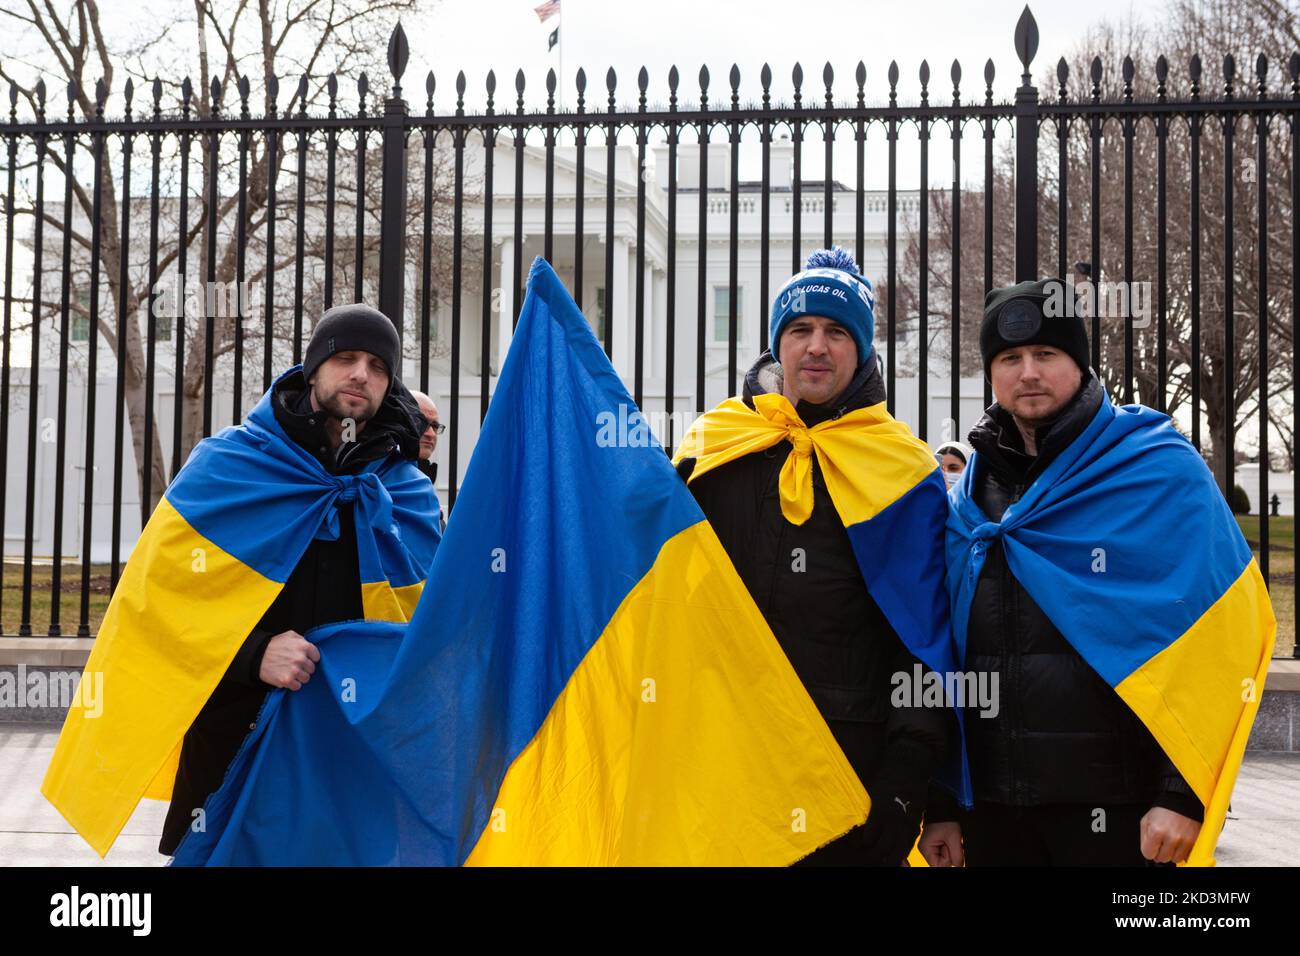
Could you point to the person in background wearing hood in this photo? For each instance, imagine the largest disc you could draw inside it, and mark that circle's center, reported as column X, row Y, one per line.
column 778, row 472
column 952, row 457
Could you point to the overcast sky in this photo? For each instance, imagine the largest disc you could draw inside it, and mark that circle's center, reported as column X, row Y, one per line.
column 505, row 35
column 476, row 35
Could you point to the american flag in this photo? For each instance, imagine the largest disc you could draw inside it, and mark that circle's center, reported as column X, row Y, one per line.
column 547, row 10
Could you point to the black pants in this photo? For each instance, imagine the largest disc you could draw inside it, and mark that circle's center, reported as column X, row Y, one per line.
column 1061, row 835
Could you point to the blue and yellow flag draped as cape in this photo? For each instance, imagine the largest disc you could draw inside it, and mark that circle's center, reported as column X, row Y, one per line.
column 212, row 558
column 585, row 680
column 1128, row 546
column 887, row 488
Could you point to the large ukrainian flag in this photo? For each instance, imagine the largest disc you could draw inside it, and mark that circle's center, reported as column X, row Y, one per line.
column 1128, row 546
column 210, row 561
column 585, row 680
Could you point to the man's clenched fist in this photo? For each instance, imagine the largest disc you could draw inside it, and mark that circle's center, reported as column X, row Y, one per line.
column 289, row 661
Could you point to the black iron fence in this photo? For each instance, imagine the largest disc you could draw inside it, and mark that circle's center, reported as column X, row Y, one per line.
column 1107, row 176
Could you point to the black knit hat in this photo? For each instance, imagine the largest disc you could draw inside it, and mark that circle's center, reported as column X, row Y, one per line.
column 1020, row 315
column 356, row 326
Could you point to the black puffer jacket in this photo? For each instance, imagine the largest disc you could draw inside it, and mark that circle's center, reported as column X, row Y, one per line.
column 324, row 587
column 806, row 582
column 1061, row 734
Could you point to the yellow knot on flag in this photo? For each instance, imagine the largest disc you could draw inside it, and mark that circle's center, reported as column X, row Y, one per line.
column 867, row 459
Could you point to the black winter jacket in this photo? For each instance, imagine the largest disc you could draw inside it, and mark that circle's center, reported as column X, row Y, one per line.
column 324, row 587
column 1061, row 734
column 806, row 582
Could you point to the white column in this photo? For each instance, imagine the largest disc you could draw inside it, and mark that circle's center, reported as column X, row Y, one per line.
column 619, row 306
column 503, row 294
column 648, row 345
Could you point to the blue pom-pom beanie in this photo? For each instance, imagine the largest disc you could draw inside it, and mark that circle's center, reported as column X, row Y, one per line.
column 831, row 285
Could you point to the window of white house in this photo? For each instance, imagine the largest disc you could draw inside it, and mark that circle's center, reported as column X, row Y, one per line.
column 79, row 322
column 162, row 328
column 164, row 323
column 722, row 312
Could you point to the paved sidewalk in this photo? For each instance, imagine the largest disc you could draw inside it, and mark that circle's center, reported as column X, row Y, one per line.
column 1263, row 828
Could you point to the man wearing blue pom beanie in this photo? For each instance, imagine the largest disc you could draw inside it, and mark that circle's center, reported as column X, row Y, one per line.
column 807, row 480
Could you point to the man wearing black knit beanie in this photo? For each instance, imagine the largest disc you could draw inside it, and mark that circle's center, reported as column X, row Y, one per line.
column 347, row 409
column 1063, row 771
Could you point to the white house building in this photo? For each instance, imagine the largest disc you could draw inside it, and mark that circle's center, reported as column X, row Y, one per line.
column 615, row 305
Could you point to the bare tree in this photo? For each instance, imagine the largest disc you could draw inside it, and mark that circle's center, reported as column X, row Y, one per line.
column 1109, row 64
column 256, row 176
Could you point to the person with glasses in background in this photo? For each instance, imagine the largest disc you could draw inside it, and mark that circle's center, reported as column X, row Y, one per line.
column 429, row 444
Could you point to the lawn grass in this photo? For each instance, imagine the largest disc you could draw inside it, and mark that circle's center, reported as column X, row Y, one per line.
column 11, row 603
column 1281, row 588
column 1281, row 574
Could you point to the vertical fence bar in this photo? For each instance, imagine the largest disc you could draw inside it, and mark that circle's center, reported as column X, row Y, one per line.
column 988, row 201
column 1293, row 66
column 580, row 189
column 1261, row 214
column 359, row 265
column 182, row 267
column 268, row 279
column 860, row 199
column 1162, row 242
column 392, row 222
column 891, row 242
column 923, row 279
column 670, row 306
column 426, row 254
column 331, row 187
column 733, row 253
column 92, row 357
column 241, row 245
column 703, row 239
column 1026, row 113
column 1062, row 173
column 485, row 358
column 1226, row 450
column 488, row 296
column 1094, row 213
column 638, row 376
column 955, row 372
column 611, row 145
column 123, row 294
column 212, row 213
column 427, row 137
column 828, row 136
column 765, row 214
column 1128, row 129
column 299, row 247
column 796, row 176
column 516, row 294
column 548, row 203
column 241, row 234
column 33, row 381
column 65, row 347
column 10, row 185
column 457, row 242
column 151, row 324
column 1194, row 146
